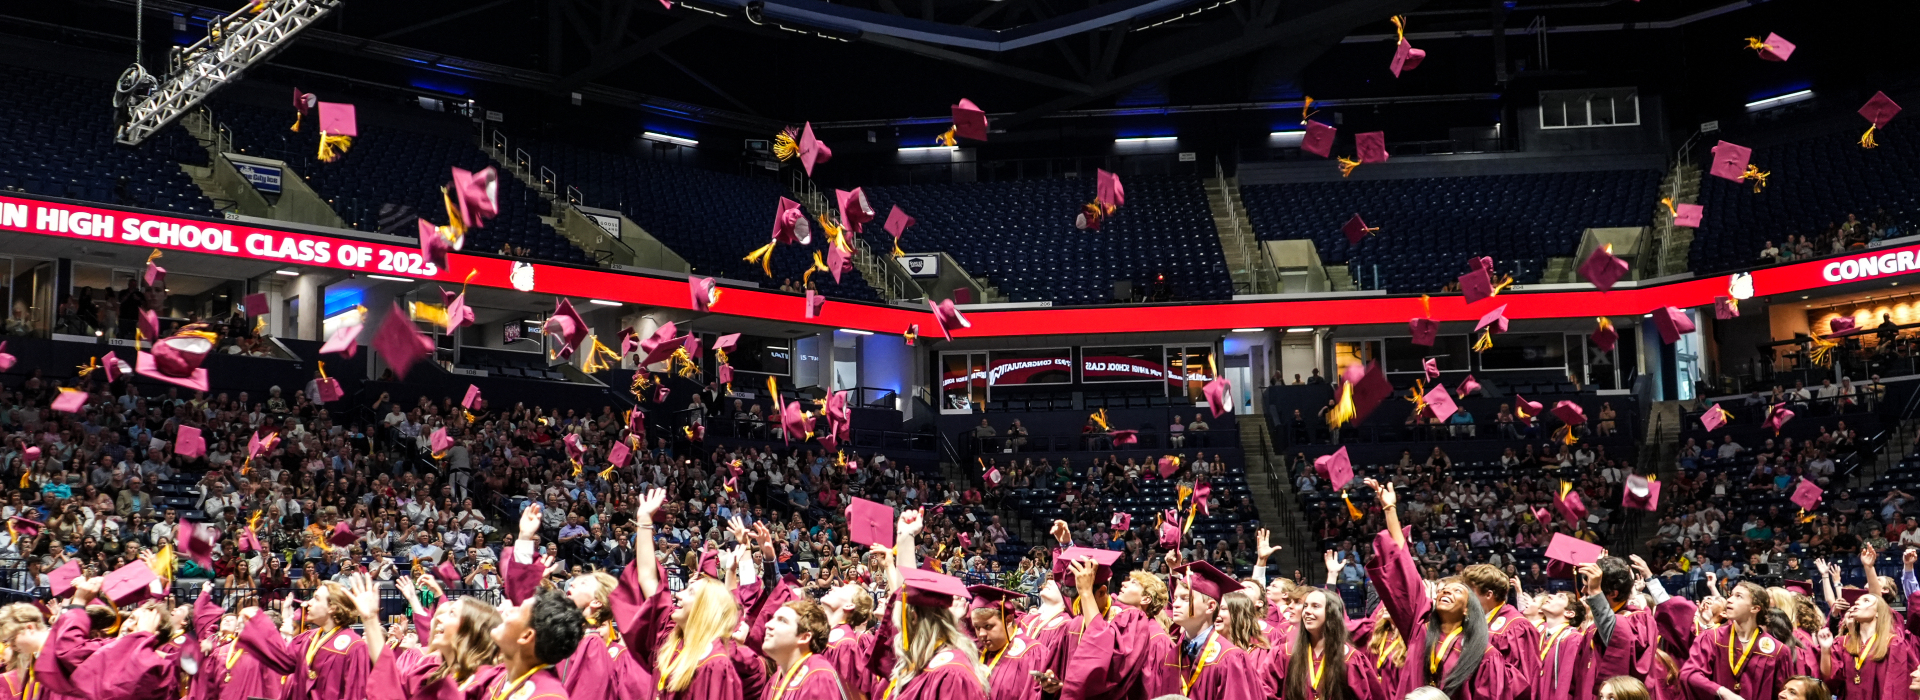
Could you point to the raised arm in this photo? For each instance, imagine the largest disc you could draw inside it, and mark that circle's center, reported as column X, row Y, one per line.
column 1332, row 561
column 1263, row 549
column 366, row 600
column 1395, row 576
column 903, row 546
column 645, row 564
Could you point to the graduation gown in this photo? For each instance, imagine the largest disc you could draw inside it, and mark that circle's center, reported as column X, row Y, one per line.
column 235, row 674
column 1403, row 595
column 398, row 676
column 1619, row 644
column 814, row 678
column 17, row 686
column 1856, row 678
column 949, row 676
column 1219, row 671
column 1009, row 674
column 847, row 651
column 1363, row 681
column 1108, row 657
column 591, row 673
column 1768, row 665
column 1558, row 656
column 129, row 667
column 542, row 685
column 1674, row 625
column 322, row 665
column 1519, row 642
column 718, row 676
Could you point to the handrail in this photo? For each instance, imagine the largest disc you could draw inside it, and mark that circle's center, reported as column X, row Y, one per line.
column 523, row 162
column 549, row 182
column 574, row 196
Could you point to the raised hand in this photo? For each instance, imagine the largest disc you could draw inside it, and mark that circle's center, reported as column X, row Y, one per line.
column 1640, row 569
column 1908, row 557
column 1332, row 560
column 1263, row 548
column 530, row 521
column 1061, row 533
column 86, row 589
column 1384, row 492
column 738, row 530
column 366, row 598
column 650, row 504
column 910, row 523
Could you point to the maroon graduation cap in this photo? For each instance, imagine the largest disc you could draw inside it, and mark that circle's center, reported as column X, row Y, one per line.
column 1102, row 558
column 1107, row 189
column 1476, row 285
column 1121, row 521
column 1319, row 139
column 1688, row 215
column 854, row 209
column 619, row 453
column 1431, row 367
column 342, row 535
column 1424, row 330
column 1570, row 505
column 1573, row 550
column 1672, row 323
column 812, row 150
column 704, row 291
column 1336, row 468
column 870, row 523
column 947, row 317
column 1405, row 57
column 399, row 343
column 566, row 324
column 815, row 302
column 1774, row 48
column 1725, row 308
column 1777, row 417
column 1604, row 336
column 7, row 359
column 1356, row 229
column 189, row 443
column 1372, row 146
column 476, row 195
column 1203, row 578
column 130, row 584
column 790, row 223
column 196, row 542
column 969, row 121
column 1807, row 494
column 72, row 400
column 1878, row 110
column 472, row 400
column 897, row 223
column 1730, row 161
column 1641, row 493
column 1219, row 396
column 61, row 579
column 1569, row 412
column 1370, row 387
column 345, row 340
column 931, row 589
column 1440, row 403
column 1603, row 268
column 1467, row 387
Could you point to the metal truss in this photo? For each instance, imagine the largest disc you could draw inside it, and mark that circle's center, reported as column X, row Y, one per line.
column 234, row 43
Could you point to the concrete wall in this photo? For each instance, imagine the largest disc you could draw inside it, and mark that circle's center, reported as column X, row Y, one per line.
column 1297, row 262
column 952, row 276
column 296, row 202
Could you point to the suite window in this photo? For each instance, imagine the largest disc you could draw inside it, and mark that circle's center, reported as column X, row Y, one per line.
column 1578, row 109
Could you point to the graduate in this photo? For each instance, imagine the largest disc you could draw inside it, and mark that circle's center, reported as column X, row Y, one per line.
column 1239, row 619
column 1114, row 647
column 459, row 661
column 1739, row 660
column 73, row 661
column 1507, row 629
column 687, row 635
column 1010, row 655
column 327, row 662
column 23, row 630
column 1380, row 641
column 1871, row 658
column 1622, row 639
column 532, row 636
column 1319, row 642
column 1561, row 639
column 1209, row 665
column 1675, row 627
column 849, row 609
column 1446, row 637
column 796, row 641
column 929, row 657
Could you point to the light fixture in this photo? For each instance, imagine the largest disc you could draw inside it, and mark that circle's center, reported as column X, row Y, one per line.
column 1299, row 330
column 1780, row 101
column 1248, row 330
column 855, row 331
column 389, row 278
column 1146, row 139
column 927, row 149
column 604, row 302
column 668, row 138
column 289, row 273
column 1287, row 138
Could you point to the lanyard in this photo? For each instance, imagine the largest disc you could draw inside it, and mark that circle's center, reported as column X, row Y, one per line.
column 1439, row 653
column 1552, row 640
column 1866, row 647
column 508, row 688
column 787, row 682
column 1384, row 653
column 1495, row 612
column 1733, row 637
column 1318, row 662
column 313, row 647
column 1186, row 686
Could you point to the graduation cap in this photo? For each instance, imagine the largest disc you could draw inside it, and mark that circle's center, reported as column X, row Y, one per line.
column 969, row 121
column 1807, row 494
column 258, row 446
column 619, row 453
column 790, row 224
column 329, row 389
column 399, row 343
column 1642, row 493
column 1336, row 468
column 911, row 334
column 1405, row 57
column 342, row 535
column 72, row 400
column 1467, row 387
column 247, row 541
column 815, row 302
column 993, row 477
column 176, row 360
column 1102, row 558
column 1725, row 308
column 302, row 103
column 1714, row 417
column 1107, row 189
column 1799, row 587
column 1603, row 268
column 196, row 542
column 25, row 527
column 636, row 421
column 1219, row 393
column 931, row 589
column 1121, row 520
column 709, row 564
column 1356, row 229
column 154, row 275
column 1431, row 367
column 1476, row 285
column 565, row 324
column 992, row 598
column 1123, row 438
column 346, row 339
column 61, row 579
column 870, row 523
column 660, row 345
column 1167, row 465
column 1852, row 595
column 1494, row 321
column 1604, row 335
column 1440, row 403
column 1424, row 330
column 31, row 454
column 129, row 584
column 839, row 260
column 854, row 209
column 795, row 425
column 1672, row 323
column 471, row 401
column 1170, row 529
column 1777, row 417
column 724, row 373
column 1569, row 412
column 1773, row 49
column 149, row 324
column 1319, row 139
column 476, row 195
column 1573, row 551
column 1688, row 215
column 1840, row 324
column 704, row 291
column 189, row 443
column 1878, row 110
column 115, row 367
column 1570, row 505
column 897, row 223
column 337, row 130
column 1730, row 161
column 1369, row 386
column 1204, row 579
column 947, row 317
column 440, row 440
column 6, row 359
column 1543, row 515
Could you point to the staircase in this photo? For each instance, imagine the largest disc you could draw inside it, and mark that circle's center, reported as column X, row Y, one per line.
column 586, row 241
column 199, row 123
column 1273, row 494
column 1339, row 279
column 1672, row 244
column 1659, row 451
column 1559, row 271
column 877, row 270
column 1252, row 272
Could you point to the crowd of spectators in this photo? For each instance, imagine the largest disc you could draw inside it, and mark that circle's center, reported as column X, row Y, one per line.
column 1837, row 237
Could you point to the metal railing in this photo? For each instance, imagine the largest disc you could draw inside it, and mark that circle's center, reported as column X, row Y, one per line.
column 1155, row 442
column 879, row 271
column 1258, row 267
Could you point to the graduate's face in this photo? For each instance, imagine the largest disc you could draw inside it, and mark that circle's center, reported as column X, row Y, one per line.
column 1276, row 593
column 513, row 631
column 1554, row 606
column 317, row 608
column 446, row 624
column 783, row 632
column 1131, row 593
column 29, row 641
column 682, row 600
column 1792, row 691
column 581, row 591
column 989, row 630
column 1313, row 612
column 1050, row 594
column 1864, row 609
column 839, row 597
column 1451, row 598
column 1739, row 604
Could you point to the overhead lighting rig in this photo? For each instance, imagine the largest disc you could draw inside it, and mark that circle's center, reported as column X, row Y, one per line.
column 233, row 44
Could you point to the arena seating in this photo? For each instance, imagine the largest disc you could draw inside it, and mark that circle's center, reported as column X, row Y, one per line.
column 1815, row 183
column 1430, row 226
column 57, row 134
column 1020, row 236
column 711, row 219
column 389, row 165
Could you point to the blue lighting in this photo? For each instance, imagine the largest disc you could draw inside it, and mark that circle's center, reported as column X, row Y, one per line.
column 342, row 299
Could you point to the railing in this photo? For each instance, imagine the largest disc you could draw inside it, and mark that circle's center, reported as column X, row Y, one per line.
column 574, row 196
column 879, row 271
column 1255, row 259
column 865, row 438
column 1156, row 442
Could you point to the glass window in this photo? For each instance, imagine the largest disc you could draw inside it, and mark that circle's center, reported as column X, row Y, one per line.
column 1024, row 367
column 963, row 382
column 1347, row 352
column 1451, row 352
column 1190, row 367
column 762, row 355
column 1138, row 363
column 1572, row 109
column 1526, row 351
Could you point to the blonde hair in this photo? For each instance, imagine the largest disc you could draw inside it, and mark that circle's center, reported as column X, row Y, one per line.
column 339, row 605
column 1153, row 592
column 1625, row 688
column 1385, row 643
column 711, row 615
column 473, row 647
column 14, row 619
column 603, row 585
column 932, row 630
column 1882, row 632
column 1782, row 599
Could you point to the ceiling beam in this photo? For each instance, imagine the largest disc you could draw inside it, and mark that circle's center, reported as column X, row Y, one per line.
column 611, row 61
column 975, row 62
column 442, row 19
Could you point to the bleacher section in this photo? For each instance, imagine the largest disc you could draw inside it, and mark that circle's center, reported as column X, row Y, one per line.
column 1429, row 227
column 1020, row 236
column 711, row 219
column 389, row 165
column 1815, row 183
column 56, row 132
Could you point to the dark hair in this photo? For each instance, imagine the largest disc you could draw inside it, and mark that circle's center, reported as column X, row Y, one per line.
column 1333, row 631
column 1616, row 578
column 811, row 619
column 557, row 626
column 1473, row 646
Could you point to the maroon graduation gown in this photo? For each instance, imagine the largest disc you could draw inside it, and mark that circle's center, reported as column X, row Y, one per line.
column 237, row 674
column 1404, row 597
column 1363, row 681
column 542, row 685
column 848, row 650
column 1674, row 627
column 1221, row 671
column 1519, row 642
column 129, row 667
column 1009, row 672
column 398, row 676
column 322, row 665
column 590, row 673
column 1708, row 669
column 718, row 677
column 1628, row 651
column 814, row 678
column 949, row 676
column 1108, row 657
column 1885, row 679
column 16, row 686
column 1558, row 656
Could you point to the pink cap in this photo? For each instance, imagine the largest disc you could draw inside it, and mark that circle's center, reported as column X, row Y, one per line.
column 1121, row 521
column 1424, row 330
column 1496, row 319
column 189, row 443
column 839, row 260
column 1569, row 412
column 342, row 535
column 1525, row 411
column 790, row 223
column 344, row 341
column 336, row 119
column 447, row 572
column 897, row 223
column 637, row 422
column 72, row 400
column 567, row 324
column 1641, row 493
column 1713, row 418
column 1441, row 403
column 1431, row 367
column 795, row 424
column 855, row 211
column 1672, row 323
column 1777, row 417
column 1879, row 109
column 399, row 343
column 246, row 541
column 931, row 589
column 815, row 302
column 969, row 121
column 1807, row 494
column 1573, row 550
column 1372, row 146
column 196, row 543
column 993, row 477
column 1167, row 466
column 1484, row 262
column 440, row 440
column 724, row 373
column 812, row 150
column 6, row 359
column 27, row 528
column 1571, row 507
column 477, row 195
column 1725, row 308
column 329, row 388
column 149, row 324
column 619, row 453
column 828, row 443
column 303, row 101
column 1370, row 387
column 1219, row 393
column 1543, row 515
column 62, row 578
column 1476, row 285
column 1604, row 338
column 1840, row 324
column 1203, row 578
column 1467, row 387
column 1405, row 58
column 1688, row 215
column 869, row 523
column 472, row 400
column 129, row 584
column 256, row 305
column 459, row 315
column 1170, row 529
column 947, row 317
column 726, row 342
column 571, row 442
column 31, row 454
column 258, row 446
column 1319, row 139
column 1603, row 268
column 1730, row 161
column 1776, row 49
column 704, row 291
column 1336, row 468
column 657, row 349
column 1103, row 560
column 155, row 276
column 1123, row 438
column 1355, row 230
column 1107, row 189
column 114, row 367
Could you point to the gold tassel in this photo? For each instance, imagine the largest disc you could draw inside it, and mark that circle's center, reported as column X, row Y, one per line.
column 764, row 256
column 1426, row 306
column 1758, row 176
column 332, row 147
column 1604, row 324
column 1485, row 342
column 896, row 249
column 429, row 313
column 1419, row 397
column 773, row 389
column 818, row 266
column 455, row 226
column 1866, row 139
column 832, row 229
column 1399, row 27
column 1352, row 512
column 784, row 145
column 1508, row 281
column 92, row 364
column 1306, row 110
column 1754, row 43
column 163, row 562
column 1670, row 210
column 1822, row 352
column 297, row 116
column 1347, row 165
column 1343, row 410
column 1100, row 418
column 684, row 363
column 1565, row 434
column 947, row 139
